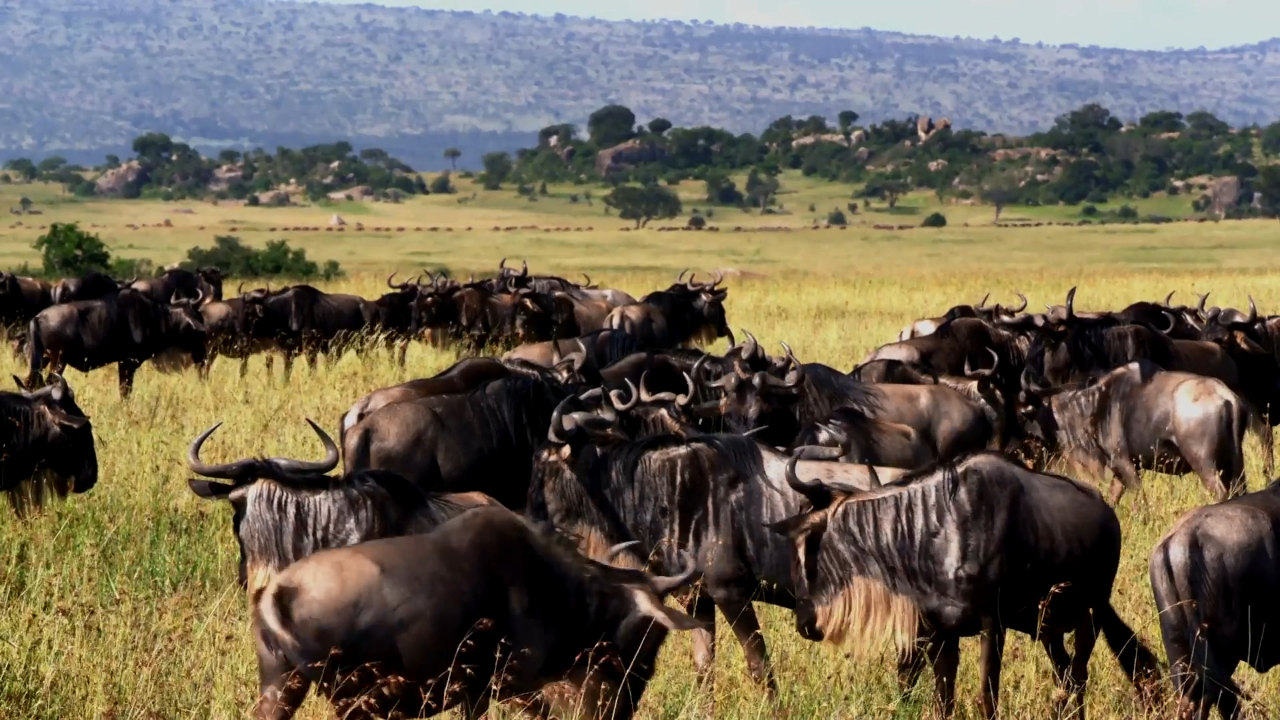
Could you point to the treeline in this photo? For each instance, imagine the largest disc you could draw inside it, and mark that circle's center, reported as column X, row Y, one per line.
column 1088, row 156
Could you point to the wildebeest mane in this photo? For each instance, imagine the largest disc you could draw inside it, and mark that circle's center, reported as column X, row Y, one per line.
column 826, row 389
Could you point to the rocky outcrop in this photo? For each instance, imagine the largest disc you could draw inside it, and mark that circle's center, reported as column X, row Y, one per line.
column 273, row 198
column 224, row 175
column 927, row 128
column 632, row 152
column 359, row 192
column 1037, row 153
column 113, row 182
column 336, row 221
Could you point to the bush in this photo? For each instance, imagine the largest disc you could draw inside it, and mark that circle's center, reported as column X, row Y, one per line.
column 573, row 199
column 836, row 217
column 852, row 208
column 68, row 251
column 252, row 201
column 466, row 175
column 1096, row 197
column 1089, row 211
column 936, row 220
column 711, row 212
column 697, row 222
column 965, row 194
column 521, row 189
column 131, row 268
column 1127, row 212
column 235, row 259
column 542, row 188
column 440, row 185
column 812, row 207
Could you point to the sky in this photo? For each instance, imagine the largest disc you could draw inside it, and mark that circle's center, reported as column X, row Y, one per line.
column 1134, row 24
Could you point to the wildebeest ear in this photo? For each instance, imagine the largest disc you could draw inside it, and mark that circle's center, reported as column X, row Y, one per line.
column 795, row 526
column 210, row 490
column 65, row 420
column 667, row 617
column 1241, row 339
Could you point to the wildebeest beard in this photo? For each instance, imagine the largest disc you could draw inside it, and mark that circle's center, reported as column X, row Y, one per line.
column 282, row 525
column 878, row 554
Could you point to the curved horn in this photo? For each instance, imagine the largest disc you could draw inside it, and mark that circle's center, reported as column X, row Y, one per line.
column 524, row 268
column 1173, row 322
column 696, row 372
column 1071, row 304
column 389, row 278
column 1253, row 312
column 1017, row 310
column 236, row 471
column 329, row 462
column 682, row 400
column 618, row 549
column 502, row 267
column 985, row 373
column 666, row 584
column 680, row 277
column 691, row 284
column 648, row 397
column 240, row 288
column 983, row 302
column 724, row 381
column 750, row 347
column 557, row 423
column 588, row 278
column 1200, row 305
column 616, row 395
column 1168, row 299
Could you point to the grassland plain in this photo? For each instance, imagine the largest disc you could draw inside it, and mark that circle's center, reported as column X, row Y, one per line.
column 122, row 603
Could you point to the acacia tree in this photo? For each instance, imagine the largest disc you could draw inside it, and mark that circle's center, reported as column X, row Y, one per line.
column 497, row 166
column 1267, row 185
column 1000, row 191
column 643, row 204
column 452, row 154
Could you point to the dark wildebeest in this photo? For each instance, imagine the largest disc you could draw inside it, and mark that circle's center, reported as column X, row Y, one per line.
column 707, row 495
column 46, row 440
column 127, row 328
column 485, row 607
column 779, row 408
column 1139, row 416
column 895, row 372
column 1216, row 579
column 684, row 313
column 302, row 319
column 285, row 510
column 90, row 286
column 182, row 285
column 479, row 441
column 222, row 322
column 1005, row 549
column 981, row 311
column 596, row 351
column 391, row 316
column 21, row 298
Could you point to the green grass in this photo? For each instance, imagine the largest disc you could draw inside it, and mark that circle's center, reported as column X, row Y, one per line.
column 122, row 603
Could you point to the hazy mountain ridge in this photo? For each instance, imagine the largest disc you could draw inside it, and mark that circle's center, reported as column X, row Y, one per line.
column 95, row 73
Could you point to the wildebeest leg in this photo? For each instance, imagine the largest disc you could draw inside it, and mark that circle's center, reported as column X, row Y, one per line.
column 244, row 366
column 1057, row 652
column 1124, row 475
column 944, row 655
column 1221, row 475
column 989, row 665
column 126, row 370
column 281, row 689
column 704, row 641
column 404, row 350
column 742, row 618
column 911, row 662
column 1215, row 683
column 288, row 364
column 1086, row 637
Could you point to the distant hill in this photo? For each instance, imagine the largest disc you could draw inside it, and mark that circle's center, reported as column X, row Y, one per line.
column 89, row 75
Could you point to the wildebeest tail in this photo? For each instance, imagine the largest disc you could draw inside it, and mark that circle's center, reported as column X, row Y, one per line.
column 273, row 617
column 1138, row 661
column 35, row 354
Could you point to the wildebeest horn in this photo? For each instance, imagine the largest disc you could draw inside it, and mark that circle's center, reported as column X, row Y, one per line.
column 1168, row 299
column 618, row 549
column 724, row 381
column 329, row 462
column 983, row 302
column 1253, row 312
column 665, row 584
column 680, row 277
column 502, row 267
column 235, row 471
column 616, row 395
column 818, row 494
column 1200, row 305
column 696, row 372
column 588, row 278
column 1071, row 304
column 1017, row 310
column 968, row 372
column 397, row 286
column 557, row 423
column 524, row 268
column 1173, row 322
column 750, row 347
column 873, row 478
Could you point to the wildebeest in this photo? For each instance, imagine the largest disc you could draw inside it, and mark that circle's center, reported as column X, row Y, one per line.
column 598, row 350
column 1005, row 549
column 182, row 284
column 222, row 322
column 707, row 495
column 21, row 298
column 285, row 510
column 485, row 606
column 392, row 316
column 686, row 312
column 982, row 311
column 302, row 319
column 1140, row 416
column 1216, row 578
column 478, row 441
column 90, row 286
column 47, row 440
column 127, row 328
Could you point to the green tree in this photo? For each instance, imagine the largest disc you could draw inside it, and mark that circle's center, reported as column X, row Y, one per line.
column 1271, row 139
column 153, row 148
column 886, row 186
column 51, row 164
column 1267, row 185
column 721, row 190
column 452, row 155
column 113, row 161
column 659, row 126
column 229, row 157
column 610, row 125
column 847, row 118
column 23, row 167
column 69, row 251
column 1000, row 191
column 643, row 204
column 1162, row 121
column 440, row 185
column 497, row 168
column 761, row 187
column 25, row 203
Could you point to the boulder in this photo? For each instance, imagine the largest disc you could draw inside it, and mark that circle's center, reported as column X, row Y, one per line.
column 936, row 165
column 112, row 182
column 836, row 138
column 336, row 221
column 224, row 175
column 1224, row 194
column 273, row 198
column 631, row 152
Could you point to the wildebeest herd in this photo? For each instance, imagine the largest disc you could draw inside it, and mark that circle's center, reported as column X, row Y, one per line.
column 508, row 529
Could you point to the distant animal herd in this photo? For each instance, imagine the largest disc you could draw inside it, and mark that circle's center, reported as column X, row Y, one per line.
column 508, row 530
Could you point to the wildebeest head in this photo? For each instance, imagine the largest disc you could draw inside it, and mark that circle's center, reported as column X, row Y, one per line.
column 186, row 327
column 57, row 433
column 708, row 303
column 752, row 397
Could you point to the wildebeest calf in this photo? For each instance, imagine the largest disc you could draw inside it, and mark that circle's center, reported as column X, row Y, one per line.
column 483, row 607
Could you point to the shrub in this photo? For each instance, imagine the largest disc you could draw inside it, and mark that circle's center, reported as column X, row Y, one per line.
column 1127, row 212
column 521, row 189
column 542, row 188
column 936, row 220
column 812, row 207
column 1096, row 197
column 131, row 268
column 277, row 259
column 852, row 207
column 965, row 194
column 573, row 199
column 836, row 217
column 440, row 185
column 711, row 212
column 1089, row 210
column 697, row 222
column 69, row 251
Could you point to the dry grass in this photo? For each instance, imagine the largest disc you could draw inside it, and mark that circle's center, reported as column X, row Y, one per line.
column 122, row 603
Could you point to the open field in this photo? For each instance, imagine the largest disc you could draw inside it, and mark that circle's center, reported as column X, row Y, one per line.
column 122, row 603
